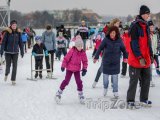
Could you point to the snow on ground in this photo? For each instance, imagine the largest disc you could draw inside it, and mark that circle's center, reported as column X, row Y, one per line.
column 34, row 100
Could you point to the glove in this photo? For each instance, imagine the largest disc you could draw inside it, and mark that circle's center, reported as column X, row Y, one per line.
column 34, row 54
column 46, row 53
column 62, row 69
column 142, row 62
column 84, row 71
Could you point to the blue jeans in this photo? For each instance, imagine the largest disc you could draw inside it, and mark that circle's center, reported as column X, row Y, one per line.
column 114, row 79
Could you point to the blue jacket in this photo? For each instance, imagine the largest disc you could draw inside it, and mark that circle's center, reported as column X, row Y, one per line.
column 12, row 42
column 24, row 37
column 111, row 55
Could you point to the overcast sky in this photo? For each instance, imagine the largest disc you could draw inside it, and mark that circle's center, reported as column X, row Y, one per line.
column 103, row 7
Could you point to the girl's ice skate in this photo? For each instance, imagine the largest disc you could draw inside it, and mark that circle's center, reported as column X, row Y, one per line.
column 81, row 97
column 58, row 96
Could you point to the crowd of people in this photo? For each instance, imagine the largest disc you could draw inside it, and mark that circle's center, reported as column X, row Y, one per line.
column 138, row 46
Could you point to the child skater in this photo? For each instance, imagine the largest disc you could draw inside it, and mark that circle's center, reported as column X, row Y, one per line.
column 72, row 63
column 38, row 49
column 98, row 41
column 112, row 46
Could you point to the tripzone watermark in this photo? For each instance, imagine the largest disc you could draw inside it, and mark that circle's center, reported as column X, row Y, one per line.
column 105, row 104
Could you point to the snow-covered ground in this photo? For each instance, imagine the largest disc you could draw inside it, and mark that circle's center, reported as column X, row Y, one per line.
column 34, row 100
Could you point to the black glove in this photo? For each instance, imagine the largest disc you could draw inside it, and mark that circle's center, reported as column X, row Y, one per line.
column 84, row 71
column 62, row 69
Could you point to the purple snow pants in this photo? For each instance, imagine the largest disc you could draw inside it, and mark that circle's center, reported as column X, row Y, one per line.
column 68, row 78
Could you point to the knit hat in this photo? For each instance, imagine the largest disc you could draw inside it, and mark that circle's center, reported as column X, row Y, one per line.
column 144, row 10
column 13, row 22
column 78, row 42
column 150, row 23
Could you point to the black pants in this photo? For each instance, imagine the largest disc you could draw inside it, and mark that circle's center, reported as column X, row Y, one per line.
column 157, row 61
column 39, row 65
column 135, row 74
column 48, row 60
column 60, row 51
column 11, row 58
column 99, row 72
column 124, row 68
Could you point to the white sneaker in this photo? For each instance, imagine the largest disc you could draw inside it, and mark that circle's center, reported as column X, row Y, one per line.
column 58, row 96
column 81, row 97
column 13, row 83
column 5, row 78
column 105, row 92
column 152, row 84
column 116, row 96
column 94, row 84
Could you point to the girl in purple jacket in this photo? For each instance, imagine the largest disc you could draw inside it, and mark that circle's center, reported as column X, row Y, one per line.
column 72, row 63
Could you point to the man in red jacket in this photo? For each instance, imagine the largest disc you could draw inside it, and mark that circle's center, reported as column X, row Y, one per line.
column 139, row 58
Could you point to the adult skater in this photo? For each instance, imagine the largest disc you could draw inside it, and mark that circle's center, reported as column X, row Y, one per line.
column 11, row 43
column 139, row 58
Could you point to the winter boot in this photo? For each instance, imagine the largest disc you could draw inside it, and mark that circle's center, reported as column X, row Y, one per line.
column 81, row 97
column 58, row 96
column 146, row 103
column 94, row 84
column 105, row 92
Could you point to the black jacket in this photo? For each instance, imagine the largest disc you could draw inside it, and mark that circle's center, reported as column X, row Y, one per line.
column 39, row 50
column 12, row 42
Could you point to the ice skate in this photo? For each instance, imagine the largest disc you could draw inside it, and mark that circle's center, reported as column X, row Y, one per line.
column 13, row 83
column 81, row 97
column 105, row 92
column 58, row 96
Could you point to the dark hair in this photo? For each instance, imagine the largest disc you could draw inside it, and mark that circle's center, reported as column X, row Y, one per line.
column 48, row 27
column 114, row 28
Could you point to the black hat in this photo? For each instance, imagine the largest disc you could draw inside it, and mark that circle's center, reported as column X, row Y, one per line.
column 13, row 22
column 150, row 23
column 144, row 10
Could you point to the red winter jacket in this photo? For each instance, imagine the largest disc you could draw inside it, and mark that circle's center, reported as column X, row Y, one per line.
column 105, row 29
column 97, row 43
column 73, row 60
column 140, row 45
column 126, row 40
